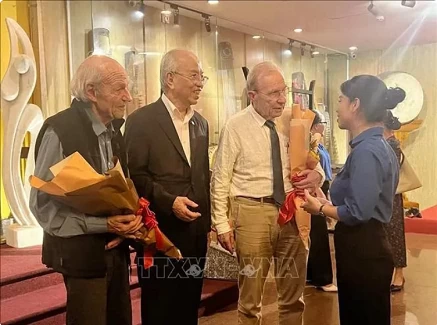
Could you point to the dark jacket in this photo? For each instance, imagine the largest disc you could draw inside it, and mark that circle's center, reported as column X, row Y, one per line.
column 161, row 172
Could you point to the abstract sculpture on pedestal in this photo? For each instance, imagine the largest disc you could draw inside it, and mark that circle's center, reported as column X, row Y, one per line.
column 19, row 117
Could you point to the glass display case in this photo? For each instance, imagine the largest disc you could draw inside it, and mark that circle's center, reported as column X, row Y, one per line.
column 138, row 33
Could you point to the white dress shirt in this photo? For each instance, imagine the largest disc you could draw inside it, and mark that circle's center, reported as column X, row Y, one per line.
column 243, row 165
column 181, row 124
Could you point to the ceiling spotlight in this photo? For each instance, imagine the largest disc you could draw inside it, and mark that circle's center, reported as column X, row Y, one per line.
column 313, row 51
column 207, row 23
column 409, row 4
column 175, row 14
column 302, row 49
column 256, row 36
column 353, row 48
column 298, row 30
column 141, row 10
column 289, row 51
column 372, row 9
column 166, row 12
column 213, row 2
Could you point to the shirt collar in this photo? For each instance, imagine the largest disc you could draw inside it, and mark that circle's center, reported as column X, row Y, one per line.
column 261, row 121
column 97, row 125
column 369, row 133
column 174, row 112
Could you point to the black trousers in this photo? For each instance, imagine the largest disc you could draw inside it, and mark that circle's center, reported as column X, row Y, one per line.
column 319, row 270
column 171, row 289
column 364, row 271
column 101, row 301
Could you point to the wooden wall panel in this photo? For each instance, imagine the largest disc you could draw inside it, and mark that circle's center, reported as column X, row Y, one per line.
column 155, row 46
column 48, row 21
column 272, row 52
column 254, row 50
column 81, row 23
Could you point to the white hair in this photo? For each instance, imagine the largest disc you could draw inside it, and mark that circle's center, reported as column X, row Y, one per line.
column 258, row 70
column 169, row 63
column 86, row 74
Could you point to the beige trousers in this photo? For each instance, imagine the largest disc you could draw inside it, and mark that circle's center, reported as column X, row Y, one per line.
column 260, row 241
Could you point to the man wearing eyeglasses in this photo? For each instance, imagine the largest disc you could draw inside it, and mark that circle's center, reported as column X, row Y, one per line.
column 167, row 144
column 251, row 178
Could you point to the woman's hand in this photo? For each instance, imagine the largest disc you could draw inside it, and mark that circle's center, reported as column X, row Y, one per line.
column 312, row 204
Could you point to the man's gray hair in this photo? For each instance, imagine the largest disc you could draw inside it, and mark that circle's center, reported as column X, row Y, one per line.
column 168, row 64
column 85, row 75
column 258, row 70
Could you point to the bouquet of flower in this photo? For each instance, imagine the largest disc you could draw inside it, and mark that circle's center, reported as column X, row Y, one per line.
column 77, row 185
column 303, row 154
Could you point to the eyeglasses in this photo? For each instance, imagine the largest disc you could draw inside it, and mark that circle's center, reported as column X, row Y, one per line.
column 194, row 77
column 276, row 94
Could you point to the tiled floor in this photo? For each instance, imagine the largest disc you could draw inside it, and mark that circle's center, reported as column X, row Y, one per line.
column 416, row 305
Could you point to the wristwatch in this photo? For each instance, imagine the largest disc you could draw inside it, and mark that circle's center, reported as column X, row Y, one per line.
column 321, row 212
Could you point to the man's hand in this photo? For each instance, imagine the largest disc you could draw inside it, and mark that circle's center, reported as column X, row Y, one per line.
column 311, row 181
column 114, row 243
column 227, row 241
column 180, row 209
column 124, row 225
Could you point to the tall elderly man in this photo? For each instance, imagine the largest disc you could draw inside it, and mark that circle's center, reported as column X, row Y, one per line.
column 167, row 145
column 88, row 250
column 250, row 180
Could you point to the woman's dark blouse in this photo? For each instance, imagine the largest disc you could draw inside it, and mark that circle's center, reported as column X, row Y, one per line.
column 365, row 187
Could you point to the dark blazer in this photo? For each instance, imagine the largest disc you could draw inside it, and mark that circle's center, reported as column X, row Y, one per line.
column 161, row 172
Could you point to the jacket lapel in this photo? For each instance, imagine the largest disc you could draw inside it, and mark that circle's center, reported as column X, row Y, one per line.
column 167, row 126
column 193, row 127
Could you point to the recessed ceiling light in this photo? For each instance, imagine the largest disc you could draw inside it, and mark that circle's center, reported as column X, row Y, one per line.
column 213, row 2
column 316, row 53
column 166, row 12
column 353, row 48
column 298, row 30
column 256, row 37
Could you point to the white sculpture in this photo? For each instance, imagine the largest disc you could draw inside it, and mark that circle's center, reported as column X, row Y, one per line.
column 19, row 117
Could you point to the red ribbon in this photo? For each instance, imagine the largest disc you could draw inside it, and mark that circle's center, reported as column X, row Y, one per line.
column 288, row 208
column 150, row 222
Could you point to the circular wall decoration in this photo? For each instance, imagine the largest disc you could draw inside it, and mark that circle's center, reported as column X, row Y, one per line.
column 410, row 108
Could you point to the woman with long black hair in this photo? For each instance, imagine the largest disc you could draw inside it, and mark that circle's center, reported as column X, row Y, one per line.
column 362, row 197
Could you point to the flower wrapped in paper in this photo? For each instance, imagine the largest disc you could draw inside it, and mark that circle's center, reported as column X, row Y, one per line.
column 77, row 185
column 303, row 154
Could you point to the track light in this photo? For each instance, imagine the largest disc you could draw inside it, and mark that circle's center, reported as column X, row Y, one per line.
column 175, row 14
column 289, row 51
column 207, row 22
column 302, row 49
column 409, row 4
column 372, row 9
column 141, row 9
column 314, row 52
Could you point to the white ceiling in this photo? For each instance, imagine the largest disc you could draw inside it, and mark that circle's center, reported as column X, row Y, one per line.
column 332, row 24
